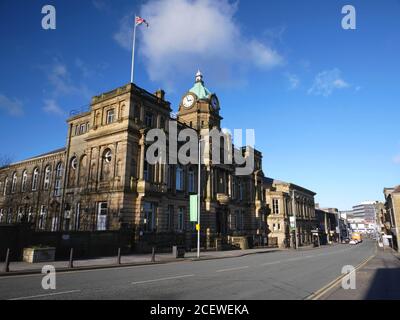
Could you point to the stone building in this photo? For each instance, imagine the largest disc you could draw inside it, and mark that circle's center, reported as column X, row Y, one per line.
column 287, row 200
column 102, row 180
column 391, row 215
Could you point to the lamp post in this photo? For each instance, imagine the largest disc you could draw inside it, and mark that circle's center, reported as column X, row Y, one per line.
column 199, row 198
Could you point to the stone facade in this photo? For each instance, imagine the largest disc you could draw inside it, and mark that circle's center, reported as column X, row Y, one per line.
column 101, row 180
column 391, row 215
column 286, row 200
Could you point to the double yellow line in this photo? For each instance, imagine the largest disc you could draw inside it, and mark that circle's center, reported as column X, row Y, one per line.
column 319, row 293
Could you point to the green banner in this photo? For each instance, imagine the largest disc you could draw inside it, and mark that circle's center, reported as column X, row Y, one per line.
column 193, row 208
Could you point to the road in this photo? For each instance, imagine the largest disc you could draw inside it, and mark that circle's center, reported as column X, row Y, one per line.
column 274, row 275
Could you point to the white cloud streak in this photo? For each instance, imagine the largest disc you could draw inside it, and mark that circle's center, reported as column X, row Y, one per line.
column 51, row 106
column 13, row 107
column 326, row 82
column 186, row 34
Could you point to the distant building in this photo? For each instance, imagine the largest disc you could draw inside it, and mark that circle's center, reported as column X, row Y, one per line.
column 362, row 218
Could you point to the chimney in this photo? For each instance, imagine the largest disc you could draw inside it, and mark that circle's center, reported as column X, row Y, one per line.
column 160, row 94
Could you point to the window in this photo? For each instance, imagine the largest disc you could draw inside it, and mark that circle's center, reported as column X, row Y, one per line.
column 191, row 181
column 110, row 116
column 74, row 163
column 20, row 214
column 35, row 178
column 30, row 215
column 14, row 183
column 83, row 128
column 179, row 178
column 181, row 219
column 275, row 206
column 240, row 191
column 1, row 215
column 57, row 183
column 5, row 187
column 54, row 224
column 42, row 217
column 148, row 119
column 108, row 155
column 149, row 217
column 59, row 170
column 47, row 174
column 10, row 214
column 102, row 211
column 24, row 179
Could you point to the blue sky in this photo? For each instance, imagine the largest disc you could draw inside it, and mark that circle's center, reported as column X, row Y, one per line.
column 324, row 101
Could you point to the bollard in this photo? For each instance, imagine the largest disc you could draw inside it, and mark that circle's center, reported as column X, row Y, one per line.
column 71, row 258
column 119, row 256
column 153, row 255
column 7, row 262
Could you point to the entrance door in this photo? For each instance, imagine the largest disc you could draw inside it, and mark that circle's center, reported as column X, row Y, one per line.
column 222, row 222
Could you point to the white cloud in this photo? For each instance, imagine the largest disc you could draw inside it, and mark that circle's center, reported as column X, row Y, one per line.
column 328, row 81
column 187, row 34
column 294, row 81
column 100, row 4
column 396, row 159
column 12, row 107
column 51, row 106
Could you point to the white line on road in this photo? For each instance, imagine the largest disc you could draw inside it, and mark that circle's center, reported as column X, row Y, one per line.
column 271, row 263
column 45, row 295
column 232, row 269
column 164, row 279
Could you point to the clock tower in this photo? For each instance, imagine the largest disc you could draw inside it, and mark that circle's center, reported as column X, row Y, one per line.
column 199, row 108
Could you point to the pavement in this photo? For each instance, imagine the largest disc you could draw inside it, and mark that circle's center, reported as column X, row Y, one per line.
column 278, row 275
column 19, row 268
column 379, row 279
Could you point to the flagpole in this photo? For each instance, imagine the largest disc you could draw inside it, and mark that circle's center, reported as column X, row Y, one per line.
column 133, row 50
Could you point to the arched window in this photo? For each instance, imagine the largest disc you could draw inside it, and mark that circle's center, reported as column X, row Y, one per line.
column 59, row 170
column 35, row 179
column 106, row 164
column 5, row 187
column 47, row 175
column 14, row 183
column 58, row 179
column 108, row 155
column 74, row 163
column 24, row 179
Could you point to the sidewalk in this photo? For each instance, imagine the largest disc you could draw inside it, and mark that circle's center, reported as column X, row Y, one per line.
column 18, row 268
column 378, row 279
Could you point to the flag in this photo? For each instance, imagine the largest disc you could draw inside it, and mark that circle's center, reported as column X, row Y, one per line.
column 140, row 21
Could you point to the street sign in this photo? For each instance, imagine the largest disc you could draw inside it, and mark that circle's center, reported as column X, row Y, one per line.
column 193, row 208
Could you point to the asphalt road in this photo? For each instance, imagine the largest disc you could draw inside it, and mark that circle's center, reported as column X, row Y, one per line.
column 274, row 275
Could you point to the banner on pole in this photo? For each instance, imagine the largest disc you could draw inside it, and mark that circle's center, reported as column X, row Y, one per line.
column 193, row 208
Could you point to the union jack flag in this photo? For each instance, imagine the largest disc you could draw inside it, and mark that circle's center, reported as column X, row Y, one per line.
column 140, row 21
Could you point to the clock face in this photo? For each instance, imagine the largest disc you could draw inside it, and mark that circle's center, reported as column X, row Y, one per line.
column 214, row 102
column 188, row 101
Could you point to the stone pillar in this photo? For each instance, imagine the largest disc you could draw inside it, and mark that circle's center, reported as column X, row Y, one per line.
column 141, row 161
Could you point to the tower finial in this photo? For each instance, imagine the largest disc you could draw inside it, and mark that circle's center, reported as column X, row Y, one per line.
column 199, row 76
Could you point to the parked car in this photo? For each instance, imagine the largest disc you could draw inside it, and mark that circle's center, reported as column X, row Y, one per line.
column 353, row 242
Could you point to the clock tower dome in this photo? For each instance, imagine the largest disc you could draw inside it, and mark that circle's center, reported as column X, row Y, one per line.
column 199, row 108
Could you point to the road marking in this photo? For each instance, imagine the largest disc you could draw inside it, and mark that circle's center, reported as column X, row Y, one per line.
column 294, row 259
column 45, row 295
column 271, row 263
column 232, row 269
column 164, row 279
column 319, row 293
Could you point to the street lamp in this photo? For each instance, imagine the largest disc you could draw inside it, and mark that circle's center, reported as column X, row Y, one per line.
column 199, row 198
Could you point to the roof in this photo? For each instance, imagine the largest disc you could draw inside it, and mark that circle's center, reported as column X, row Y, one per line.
column 199, row 89
column 35, row 157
